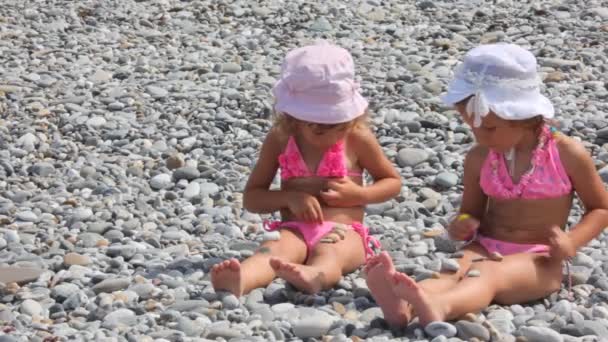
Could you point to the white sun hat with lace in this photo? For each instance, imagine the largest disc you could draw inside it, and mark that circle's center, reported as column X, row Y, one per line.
column 502, row 79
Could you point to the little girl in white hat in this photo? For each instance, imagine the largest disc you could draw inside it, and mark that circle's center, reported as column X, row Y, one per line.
column 519, row 182
column 321, row 145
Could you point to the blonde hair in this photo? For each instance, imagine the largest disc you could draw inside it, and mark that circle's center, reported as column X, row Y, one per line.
column 286, row 123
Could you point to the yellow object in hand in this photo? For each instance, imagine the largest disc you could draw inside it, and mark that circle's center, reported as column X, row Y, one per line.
column 463, row 217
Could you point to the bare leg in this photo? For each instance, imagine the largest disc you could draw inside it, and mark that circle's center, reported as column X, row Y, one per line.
column 325, row 266
column 255, row 271
column 397, row 311
column 518, row 278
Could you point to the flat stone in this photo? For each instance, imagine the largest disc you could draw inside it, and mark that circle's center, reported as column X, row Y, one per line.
column 189, row 305
column 111, row 285
column 187, row 172
column 540, row 334
column 156, row 92
column 435, row 329
column 19, row 275
column 76, row 259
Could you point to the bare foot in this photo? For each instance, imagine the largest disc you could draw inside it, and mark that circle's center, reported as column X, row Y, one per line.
column 426, row 309
column 305, row 278
column 379, row 270
column 226, row 276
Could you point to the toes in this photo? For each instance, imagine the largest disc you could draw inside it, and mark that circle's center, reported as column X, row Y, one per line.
column 275, row 263
column 385, row 259
column 234, row 265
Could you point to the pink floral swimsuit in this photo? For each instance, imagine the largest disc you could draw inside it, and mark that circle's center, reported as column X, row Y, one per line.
column 546, row 178
column 332, row 165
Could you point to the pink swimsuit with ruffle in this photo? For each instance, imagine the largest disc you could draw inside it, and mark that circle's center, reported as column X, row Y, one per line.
column 546, row 178
column 332, row 165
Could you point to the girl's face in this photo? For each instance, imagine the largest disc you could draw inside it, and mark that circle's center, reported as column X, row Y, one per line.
column 495, row 133
column 323, row 136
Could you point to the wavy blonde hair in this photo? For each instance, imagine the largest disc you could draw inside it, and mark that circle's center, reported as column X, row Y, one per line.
column 286, row 123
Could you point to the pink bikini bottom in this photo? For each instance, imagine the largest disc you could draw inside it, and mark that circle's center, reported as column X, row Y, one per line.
column 313, row 232
column 508, row 248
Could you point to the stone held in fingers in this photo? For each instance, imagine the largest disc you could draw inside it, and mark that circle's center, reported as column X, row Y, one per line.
column 496, row 256
column 473, row 273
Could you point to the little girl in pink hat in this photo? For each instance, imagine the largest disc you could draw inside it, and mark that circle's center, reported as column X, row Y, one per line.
column 321, row 145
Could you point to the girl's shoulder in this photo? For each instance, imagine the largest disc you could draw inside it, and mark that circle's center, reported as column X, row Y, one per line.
column 360, row 135
column 571, row 151
column 477, row 154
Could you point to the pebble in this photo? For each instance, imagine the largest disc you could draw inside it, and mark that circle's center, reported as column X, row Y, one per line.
column 435, row 329
column 446, row 179
column 468, row 330
column 119, row 318
column 540, row 334
column 450, row 265
column 76, row 259
column 312, row 327
column 111, row 285
column 160, row 181
column 31, row 308
column 411, row 157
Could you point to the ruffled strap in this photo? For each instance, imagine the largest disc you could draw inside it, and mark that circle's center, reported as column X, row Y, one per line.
column 368, row 240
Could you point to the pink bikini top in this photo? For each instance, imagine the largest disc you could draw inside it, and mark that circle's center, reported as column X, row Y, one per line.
column 546, row 177
column 332, row 164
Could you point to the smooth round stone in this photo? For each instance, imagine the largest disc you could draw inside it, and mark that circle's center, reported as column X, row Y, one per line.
column 27, row 216
column 230, row 302
column 411, row 157
column 312, row 327
column 96, row 122
column 31, row 308
column 446, row 179
column 120, row 317
column 160, row 181
column 468, row 330
column 87, row 171
column 192, row 190
column 435, row 329
column 187, row 172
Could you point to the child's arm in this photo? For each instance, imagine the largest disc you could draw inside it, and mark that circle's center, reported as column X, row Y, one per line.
column 387, row 183
column 589, row 188
column 473, row 201
column 257, row 197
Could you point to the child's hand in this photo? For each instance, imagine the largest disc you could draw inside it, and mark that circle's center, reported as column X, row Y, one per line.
column 560, row 244
column 305, row 207
column 463, row 227
column 343, row 192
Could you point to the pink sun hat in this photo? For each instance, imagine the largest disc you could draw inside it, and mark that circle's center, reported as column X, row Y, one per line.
column 317, row 84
